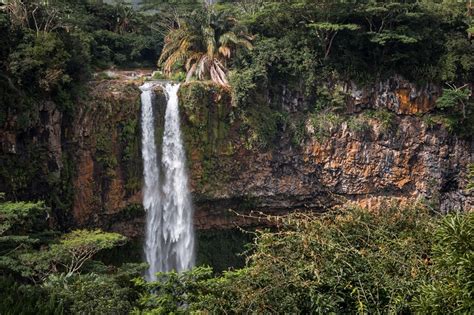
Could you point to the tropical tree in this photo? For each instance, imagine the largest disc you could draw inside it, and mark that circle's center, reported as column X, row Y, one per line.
column 204, row 44
column 37, row 15
column 69, row 255
column 455, row 97
column 125, row 17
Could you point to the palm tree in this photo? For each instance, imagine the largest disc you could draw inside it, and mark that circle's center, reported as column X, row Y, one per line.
column 204, row 44
column 125, row 17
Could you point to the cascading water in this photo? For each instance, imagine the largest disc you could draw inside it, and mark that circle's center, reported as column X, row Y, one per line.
column 169, row 238
column 151, row 188
column 177, row 230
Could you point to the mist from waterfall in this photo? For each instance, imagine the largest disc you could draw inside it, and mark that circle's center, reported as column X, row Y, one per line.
column 169, row 237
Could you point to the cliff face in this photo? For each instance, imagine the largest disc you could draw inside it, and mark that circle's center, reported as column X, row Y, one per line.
column 88, row 168
column 108, row 181
column 395, row 94
column 365, row 168
column 379, row 148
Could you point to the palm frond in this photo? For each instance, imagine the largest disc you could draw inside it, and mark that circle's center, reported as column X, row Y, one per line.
column 228, row 38
column 190, row 72
column 225, row 51
column 203, row 43
column 192, row 59
column 202, row 67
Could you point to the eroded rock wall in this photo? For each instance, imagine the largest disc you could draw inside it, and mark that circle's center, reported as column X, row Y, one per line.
column 94, row 160
column 362, row 159
column 395, row 94
column 86, row 165
column 108, row 181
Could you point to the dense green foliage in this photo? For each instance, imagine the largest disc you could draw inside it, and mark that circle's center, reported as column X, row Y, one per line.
column 268, row 53
column 49, row 51
column 393, row 261
column 307, row 50
column 313, row 46
column 307, row 40
column 50, row 273
column 452, row 290
column 457, row 106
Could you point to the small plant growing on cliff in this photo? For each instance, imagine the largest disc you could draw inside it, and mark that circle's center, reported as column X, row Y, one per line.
column 457, row 107
column 385, row 117
column 455, row 98
column 322, row 125
column 359, row 125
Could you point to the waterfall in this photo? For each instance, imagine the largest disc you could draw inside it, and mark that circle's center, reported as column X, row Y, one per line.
column 177, row 229
column 169, row 237
column 151, row 187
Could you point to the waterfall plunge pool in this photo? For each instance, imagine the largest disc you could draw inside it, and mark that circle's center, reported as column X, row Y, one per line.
column 219, row 249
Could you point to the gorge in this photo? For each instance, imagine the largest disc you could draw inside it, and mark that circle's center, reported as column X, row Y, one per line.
column 236, row 157
column 348, row 165
column 226, row 173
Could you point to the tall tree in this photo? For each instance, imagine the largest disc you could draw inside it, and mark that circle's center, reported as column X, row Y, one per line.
column 204, row 43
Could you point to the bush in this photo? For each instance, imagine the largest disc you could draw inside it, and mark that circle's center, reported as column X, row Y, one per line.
column 457, row 107
column 89, row 294
column 32, row 254
column 452, row 289
column 123, row 50
column 454, row 98
column 323, row 124
column 243, row 86
column 18, row 298
column 345, row 261
column 40, row 60
column 385, row 117
column 359, row 125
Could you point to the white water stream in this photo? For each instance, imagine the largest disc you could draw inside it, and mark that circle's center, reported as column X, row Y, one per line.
column 169, row 237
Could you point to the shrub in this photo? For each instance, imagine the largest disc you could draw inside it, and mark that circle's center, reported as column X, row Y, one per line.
column 452, row 289
column 454, row 98
column 89, row 294
column 323, row 124
column 346, row 261
column 385, row 117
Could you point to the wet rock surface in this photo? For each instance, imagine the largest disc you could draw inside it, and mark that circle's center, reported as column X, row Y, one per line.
column 407, row 162
column 100, row 148
column 107, row 138
column 413, row 164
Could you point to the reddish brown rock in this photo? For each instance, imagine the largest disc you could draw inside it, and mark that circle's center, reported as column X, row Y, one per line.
column 100, row 185
column 404, row 163
column 395, row 94
column 411, row 163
